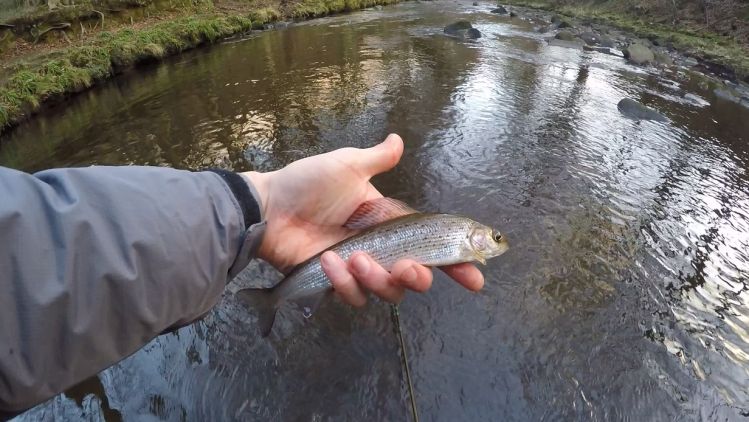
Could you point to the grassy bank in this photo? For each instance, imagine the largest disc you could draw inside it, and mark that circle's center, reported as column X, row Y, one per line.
column 28, row 81
column 688, row 35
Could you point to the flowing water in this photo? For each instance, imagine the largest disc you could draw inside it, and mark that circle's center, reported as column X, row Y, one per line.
column 623, row 296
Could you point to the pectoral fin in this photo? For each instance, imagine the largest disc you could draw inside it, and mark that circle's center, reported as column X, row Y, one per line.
column 377, row 211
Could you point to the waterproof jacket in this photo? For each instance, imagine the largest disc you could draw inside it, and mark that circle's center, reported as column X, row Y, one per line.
column 95, row 262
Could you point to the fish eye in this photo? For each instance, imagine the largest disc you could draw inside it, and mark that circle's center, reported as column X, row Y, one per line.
column 497, row 236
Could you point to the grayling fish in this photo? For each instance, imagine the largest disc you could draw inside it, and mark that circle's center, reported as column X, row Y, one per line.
column 392, row 231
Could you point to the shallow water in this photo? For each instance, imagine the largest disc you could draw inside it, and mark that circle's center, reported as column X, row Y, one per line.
column 623, row 296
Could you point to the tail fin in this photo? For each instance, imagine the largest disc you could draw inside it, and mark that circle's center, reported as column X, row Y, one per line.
column 266, row 305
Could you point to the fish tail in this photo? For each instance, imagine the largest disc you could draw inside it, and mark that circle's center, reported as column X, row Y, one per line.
column 266, row 305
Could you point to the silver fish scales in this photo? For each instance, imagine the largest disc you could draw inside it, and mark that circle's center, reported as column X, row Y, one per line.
column 429, row 239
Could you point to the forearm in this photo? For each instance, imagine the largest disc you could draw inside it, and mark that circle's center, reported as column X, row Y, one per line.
column 95, row 262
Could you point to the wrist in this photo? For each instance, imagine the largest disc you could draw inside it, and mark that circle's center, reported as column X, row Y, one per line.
column 260, row 185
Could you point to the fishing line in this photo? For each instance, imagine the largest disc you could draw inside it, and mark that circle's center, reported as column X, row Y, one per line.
column 399, row 331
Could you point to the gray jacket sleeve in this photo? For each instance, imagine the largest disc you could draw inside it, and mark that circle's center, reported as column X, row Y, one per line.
column 95, row 262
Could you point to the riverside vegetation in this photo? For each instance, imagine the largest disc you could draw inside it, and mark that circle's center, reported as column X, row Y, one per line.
column 53, row 48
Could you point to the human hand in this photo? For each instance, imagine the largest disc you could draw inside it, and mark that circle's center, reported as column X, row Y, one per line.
column 306, row 205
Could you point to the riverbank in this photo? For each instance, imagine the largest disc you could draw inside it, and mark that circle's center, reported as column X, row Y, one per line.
column 724, row 54
column 42, row 72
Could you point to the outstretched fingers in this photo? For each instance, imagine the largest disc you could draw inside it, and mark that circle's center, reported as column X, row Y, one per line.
column 375, row 278
column 344, row 284
column 361, row 274
column 467, row 275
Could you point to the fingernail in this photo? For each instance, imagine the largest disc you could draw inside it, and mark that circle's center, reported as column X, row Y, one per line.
column 326, row 260
column 409, row 275
column 360, row 264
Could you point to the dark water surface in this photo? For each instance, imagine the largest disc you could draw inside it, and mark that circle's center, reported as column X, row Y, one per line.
column 623, row 296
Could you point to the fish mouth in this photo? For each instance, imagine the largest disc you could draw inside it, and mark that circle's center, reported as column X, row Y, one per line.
column 501, row 248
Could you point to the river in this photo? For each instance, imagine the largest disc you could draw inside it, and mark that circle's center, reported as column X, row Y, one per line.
column 623, row 296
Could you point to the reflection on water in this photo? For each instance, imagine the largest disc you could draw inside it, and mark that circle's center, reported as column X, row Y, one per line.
column 624, row 295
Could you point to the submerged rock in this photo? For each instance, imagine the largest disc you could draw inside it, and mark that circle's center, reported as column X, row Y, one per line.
column 576, row 44
column 689, row 62
column 696, row 100
column 607, row 50
column 733, row 95
column 639, row 54
column 462, row 29
column 500, row 10
column 637, row 111
column 565, row 35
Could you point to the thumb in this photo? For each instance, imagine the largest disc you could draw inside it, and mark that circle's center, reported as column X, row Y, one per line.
column 381, row 157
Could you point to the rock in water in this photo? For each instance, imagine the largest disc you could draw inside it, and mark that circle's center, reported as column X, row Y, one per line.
column 473, row 34
column 590, row 38
column 475, row 3
column 639, row 54
column 565, row 35
column 576, row 45
column 605, row 41
column 462, row 29
column 663, row 58
column 500, row 10
column 637, row 111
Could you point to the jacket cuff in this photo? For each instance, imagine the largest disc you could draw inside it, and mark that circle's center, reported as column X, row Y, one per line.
column 247, row 197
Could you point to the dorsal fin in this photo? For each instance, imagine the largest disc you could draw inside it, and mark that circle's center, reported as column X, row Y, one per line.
column 377, row 211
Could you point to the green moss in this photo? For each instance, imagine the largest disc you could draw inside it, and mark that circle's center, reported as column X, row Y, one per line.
column 314, row 8
column 709, row 45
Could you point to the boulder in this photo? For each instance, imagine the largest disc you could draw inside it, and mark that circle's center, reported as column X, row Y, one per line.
column 564, row 24
column 513, row 14
column 634, row 110
column 500, row 10
column 565, row 35
column 606, row 41
column 475, row 3
column 639, row 54
column 462, row 29
column 663, row 59
column 590, row 38
column 473, row 34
